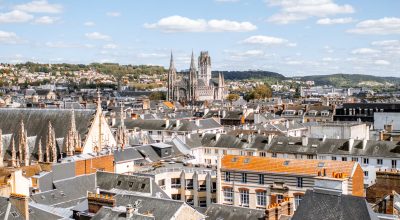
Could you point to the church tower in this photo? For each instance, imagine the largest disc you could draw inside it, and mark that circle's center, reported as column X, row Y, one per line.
column 171, row 93
column 204, row 67
column 192, row 81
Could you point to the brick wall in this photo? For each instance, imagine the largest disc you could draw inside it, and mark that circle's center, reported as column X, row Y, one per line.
column 104, row 163
column 386, row 181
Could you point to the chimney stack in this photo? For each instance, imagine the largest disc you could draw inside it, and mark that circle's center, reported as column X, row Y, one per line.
column 304, row 141
column 21, row 203
column 351, row 144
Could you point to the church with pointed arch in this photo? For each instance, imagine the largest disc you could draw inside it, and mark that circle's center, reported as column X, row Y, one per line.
column 196, row 85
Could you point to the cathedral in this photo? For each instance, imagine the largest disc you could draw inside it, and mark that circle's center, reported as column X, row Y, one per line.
column 195, row 85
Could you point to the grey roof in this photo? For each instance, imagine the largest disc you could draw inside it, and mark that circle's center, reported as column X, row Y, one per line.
column 226, row 212
column 161, row 124
column 126, row 154
column 372, row 148
column 322, row 206
column 117, row 213
column 259, row 142
column 66, row 192
column 36, row 122
column 121, row 183
column 40, row 212
column 293, row 145
column 160, row 208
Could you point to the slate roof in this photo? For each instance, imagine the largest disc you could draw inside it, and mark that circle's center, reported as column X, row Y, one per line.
column 36, row 122
column 321, row 206
column 66, row 192
column 117, row 213
column 293, row 145
column 226, row 212
column 123, row 183
column 160, row 208
column 126, row 154
column 259, row 142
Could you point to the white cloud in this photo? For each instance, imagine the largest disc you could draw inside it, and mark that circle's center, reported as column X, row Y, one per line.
column 294, row 62
column 110, row 46
column 113, row 14
column 46, row 20
column 152, row 55
column 267, row 41
column 61, row 44
column 386, row 43
column 97, row 36
column 329, row 21
column 383, row 26
column 329, row 59
column 8, row 37
column 15, row 16
column 382, row 62
column 227, row 1
column 89, row 23
column 178, row 23
column 40, row 6
column 296, row 10
column 365, row 51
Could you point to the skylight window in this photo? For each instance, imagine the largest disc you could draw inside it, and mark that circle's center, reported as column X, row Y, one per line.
column 321, row 164
column 286, row 162
column 247, row 160
column 234, row 159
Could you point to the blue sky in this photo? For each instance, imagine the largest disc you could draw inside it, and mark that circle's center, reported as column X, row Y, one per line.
column 292, row 37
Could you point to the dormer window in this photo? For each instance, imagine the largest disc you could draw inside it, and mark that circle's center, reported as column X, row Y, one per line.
column 300, row 112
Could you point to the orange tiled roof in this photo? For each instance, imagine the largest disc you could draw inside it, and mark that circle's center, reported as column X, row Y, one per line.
column 292, row 166
column 169, row 104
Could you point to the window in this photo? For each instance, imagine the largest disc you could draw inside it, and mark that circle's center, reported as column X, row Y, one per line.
column 263, row 154
column 216, row 151
column 366, row 161
column 365, row 173
column 279, row 198
column 261, row 198
column 161, row 182
column 159, row 132
column 344, row 158
column 175, row 182
column 150, row 132
column 261, row 179
column 310, row 157
column 189, row 184
column 227, row 176
column 333, row 158
column 207, row 151
column 355, row 159
column 130, row 184
column 228, row 194
column 119, row 183
column 300, row 182
column 250, row 153
column 244, row 197
column 274, row 155
column 379, row 161
column 394, row 164
column 244, row 177
column 176, row 196
column 224, row 152
column 297, row 200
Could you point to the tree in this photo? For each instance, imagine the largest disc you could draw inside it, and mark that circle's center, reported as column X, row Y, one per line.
column 157, row 96
column 232, row 97
column 259, row 92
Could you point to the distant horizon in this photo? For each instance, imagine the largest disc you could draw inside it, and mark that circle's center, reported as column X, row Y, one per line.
column 290, row 37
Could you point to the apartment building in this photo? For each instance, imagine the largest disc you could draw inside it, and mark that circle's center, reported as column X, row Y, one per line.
column 195, row 185
column 257, row 182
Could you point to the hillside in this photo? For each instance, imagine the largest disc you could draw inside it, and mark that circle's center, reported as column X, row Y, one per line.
column 249, row 74
column 349, row 80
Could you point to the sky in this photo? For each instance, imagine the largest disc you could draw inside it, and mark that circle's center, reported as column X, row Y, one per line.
column 291, row 37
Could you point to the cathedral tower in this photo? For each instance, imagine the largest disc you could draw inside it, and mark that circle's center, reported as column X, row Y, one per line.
column 192, row 81
column 171, row 93
column 204, row 67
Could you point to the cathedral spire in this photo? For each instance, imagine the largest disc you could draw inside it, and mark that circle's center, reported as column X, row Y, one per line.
column 26, row 151
column 171, row 93
column 13, row 153
column 22, row 142
column 72, row 138
column 192, row 63
column 51, row 150
column 40, row 152
column 1, row 148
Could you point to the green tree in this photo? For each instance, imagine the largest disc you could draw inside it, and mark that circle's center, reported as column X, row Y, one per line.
column 232, row 97
column 259, row 92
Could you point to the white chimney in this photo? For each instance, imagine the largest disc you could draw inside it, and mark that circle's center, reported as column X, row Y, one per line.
column 304, row 141
column 197, row 121
column 166, row 123
column 351, row 144
column 223, row 113
column 178, row 123
column 364, row 143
